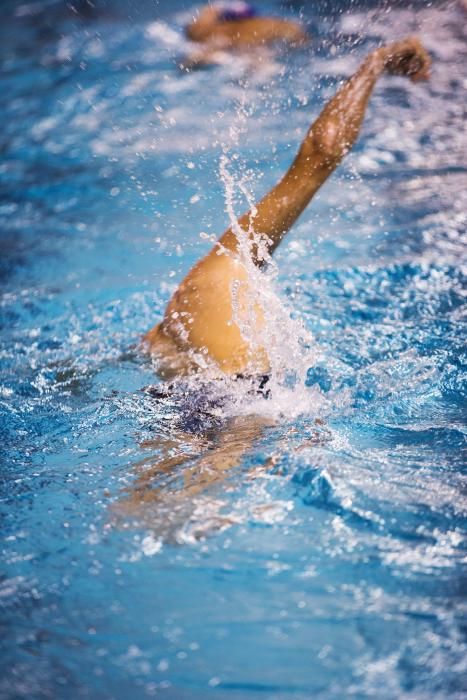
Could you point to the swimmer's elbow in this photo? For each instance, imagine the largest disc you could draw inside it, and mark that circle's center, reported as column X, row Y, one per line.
column 326, row 144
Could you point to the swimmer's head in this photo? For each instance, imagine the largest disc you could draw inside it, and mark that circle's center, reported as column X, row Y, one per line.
column 234, row 11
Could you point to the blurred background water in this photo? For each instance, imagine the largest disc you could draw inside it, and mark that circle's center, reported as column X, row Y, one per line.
column 329, row 560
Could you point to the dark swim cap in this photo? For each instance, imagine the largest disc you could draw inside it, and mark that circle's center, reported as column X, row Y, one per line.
column 236, row 10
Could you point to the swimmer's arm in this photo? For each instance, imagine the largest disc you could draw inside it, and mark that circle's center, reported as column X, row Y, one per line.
column 208, row 54
column 328, row 140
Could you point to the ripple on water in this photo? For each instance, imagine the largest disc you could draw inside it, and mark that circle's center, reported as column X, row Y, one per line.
column 311, row 544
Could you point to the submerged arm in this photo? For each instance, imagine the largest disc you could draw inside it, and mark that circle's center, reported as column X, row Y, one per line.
column 329, row 138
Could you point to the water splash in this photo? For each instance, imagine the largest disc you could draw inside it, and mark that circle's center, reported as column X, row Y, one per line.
column 346, row 558
column 265, row 321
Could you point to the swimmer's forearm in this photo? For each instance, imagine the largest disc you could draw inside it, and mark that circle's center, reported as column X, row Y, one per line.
column 328, row 140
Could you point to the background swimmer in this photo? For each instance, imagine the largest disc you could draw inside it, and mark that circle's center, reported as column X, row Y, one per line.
column 237, row 26
column 198, row 322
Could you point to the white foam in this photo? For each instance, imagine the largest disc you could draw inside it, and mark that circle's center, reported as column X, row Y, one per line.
column 290, row 347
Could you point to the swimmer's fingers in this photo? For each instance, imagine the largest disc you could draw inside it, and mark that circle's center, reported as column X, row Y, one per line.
column 408, row 57
column 425, row 70
column 419, row 65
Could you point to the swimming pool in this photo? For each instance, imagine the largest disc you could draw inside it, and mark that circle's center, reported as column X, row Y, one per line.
column 328, row 559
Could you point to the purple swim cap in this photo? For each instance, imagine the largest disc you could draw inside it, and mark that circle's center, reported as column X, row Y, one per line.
column 236, row 10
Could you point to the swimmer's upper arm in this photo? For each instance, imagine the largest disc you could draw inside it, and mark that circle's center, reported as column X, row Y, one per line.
column 276, row 212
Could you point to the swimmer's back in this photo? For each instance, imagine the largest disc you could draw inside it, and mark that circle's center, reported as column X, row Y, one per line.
column 250, row 31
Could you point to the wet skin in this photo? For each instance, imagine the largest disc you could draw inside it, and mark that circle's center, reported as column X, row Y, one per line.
column 241, row 35
column 199, row 319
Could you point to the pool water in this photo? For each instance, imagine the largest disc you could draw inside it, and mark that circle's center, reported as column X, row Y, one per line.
column 309, row 545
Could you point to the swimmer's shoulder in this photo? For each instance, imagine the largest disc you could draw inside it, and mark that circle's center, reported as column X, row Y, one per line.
column 170, row 359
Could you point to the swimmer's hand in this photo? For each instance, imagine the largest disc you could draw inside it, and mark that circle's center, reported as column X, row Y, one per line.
column 407, row 57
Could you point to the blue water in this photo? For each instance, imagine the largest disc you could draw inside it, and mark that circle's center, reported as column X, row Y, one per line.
column 316, row 560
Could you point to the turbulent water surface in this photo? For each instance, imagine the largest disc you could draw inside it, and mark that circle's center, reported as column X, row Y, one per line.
column 306, row 545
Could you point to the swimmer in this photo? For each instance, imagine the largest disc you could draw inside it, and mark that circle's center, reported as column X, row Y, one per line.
column 236, row 26
column 198, row 321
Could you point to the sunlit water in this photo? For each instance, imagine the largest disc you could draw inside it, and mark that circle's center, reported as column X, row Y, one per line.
column 309, row 545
